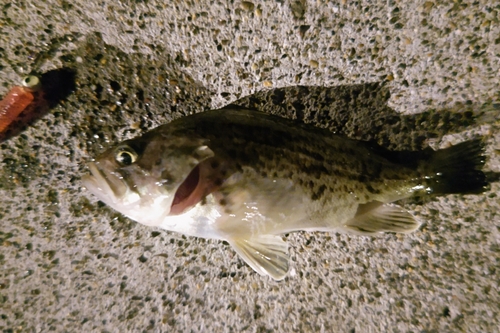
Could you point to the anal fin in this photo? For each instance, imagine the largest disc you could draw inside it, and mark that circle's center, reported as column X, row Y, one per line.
column 375, row 217
column 266, row 254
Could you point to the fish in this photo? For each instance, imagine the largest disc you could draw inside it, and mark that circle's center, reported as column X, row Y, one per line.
column 248, row 178
column 17, row 100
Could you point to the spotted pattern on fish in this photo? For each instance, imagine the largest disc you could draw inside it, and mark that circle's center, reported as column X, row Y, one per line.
column 246, row 177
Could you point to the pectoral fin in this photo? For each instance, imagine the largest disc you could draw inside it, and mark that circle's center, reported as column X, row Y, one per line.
column 266, row 254
column 376, row 217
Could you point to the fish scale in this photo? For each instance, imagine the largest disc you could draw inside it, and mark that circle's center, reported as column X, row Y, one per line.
column 247, row 177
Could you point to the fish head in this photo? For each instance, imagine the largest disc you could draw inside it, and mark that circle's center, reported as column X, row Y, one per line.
column 148, row 178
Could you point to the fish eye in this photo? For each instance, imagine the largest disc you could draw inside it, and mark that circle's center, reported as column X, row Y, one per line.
column 31, row 82
column 125, row 156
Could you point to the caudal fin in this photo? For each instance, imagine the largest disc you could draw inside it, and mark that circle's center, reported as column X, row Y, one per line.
column 458, row 169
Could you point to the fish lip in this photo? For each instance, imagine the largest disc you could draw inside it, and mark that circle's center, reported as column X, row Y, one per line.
column 97, row 183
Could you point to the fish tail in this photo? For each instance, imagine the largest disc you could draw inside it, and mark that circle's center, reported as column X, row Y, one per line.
column 457, row 169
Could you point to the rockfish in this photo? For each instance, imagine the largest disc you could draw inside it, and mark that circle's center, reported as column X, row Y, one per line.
column 247, row 177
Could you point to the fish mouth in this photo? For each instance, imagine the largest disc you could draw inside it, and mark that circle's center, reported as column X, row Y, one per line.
column 106, row 186
column 189, row 193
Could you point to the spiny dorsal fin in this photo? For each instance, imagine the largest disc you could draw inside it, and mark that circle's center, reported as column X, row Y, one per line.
column 266, row 254
column 376, row 217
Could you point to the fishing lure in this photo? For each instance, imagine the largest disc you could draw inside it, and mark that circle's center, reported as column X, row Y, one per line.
column 17, row 100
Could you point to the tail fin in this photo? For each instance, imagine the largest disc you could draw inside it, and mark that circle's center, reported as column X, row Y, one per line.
column 458, row 169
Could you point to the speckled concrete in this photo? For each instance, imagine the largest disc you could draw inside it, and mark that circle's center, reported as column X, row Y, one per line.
column 70, row 264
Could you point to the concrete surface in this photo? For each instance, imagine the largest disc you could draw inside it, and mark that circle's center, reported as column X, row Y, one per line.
column 69, row 264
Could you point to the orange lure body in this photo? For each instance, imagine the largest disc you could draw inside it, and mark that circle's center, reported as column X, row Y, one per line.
column 18, row 99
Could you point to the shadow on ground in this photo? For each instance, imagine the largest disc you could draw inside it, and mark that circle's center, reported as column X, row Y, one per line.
column 361, row 112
